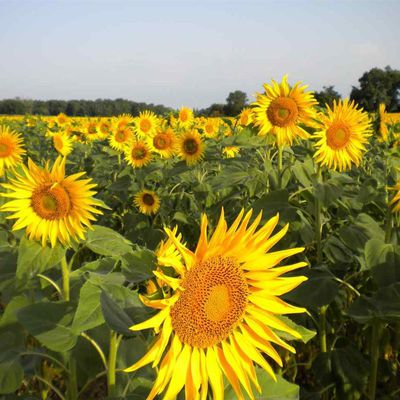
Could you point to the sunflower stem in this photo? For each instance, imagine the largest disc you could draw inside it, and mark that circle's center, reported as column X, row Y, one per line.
column 72, row 382
column 280, row 157
column 318, row 225
column 322, row 328
column 112, row 361
column 376, row 332
column 65, row 278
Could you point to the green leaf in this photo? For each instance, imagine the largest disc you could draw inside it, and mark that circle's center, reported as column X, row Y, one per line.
column 306, row 334
column 33, row 258
column 139, row 264
column 275, row 202
column 9, row 316
column 270, row 390
column 383, row 306
column 11, row 375
column 48, row 322
column 327, row 193
column 105, row 241
column 88, row 314
column 384, row 260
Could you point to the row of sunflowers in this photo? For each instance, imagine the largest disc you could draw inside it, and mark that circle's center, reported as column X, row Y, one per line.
column 171, row 269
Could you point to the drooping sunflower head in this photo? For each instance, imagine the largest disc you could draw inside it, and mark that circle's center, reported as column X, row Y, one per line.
column 344, row 133
column 51, row 206
column 146, row 124
column 121, row 137
column 190, row 147
column 11, row 149
column 147, row 201
column 223, row 310
column 281, row 109
column 246, row 117
column 138, row 154
column 62, row 143
column 185, row 117
column 163, row 143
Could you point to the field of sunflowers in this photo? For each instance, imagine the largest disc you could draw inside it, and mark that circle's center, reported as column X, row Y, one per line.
column 186, row 257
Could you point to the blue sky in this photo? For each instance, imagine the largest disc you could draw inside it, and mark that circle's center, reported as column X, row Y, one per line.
column 189, row 52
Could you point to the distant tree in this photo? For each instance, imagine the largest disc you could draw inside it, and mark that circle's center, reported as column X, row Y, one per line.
column 378, row 86
column 327, row 95
column 235, row 102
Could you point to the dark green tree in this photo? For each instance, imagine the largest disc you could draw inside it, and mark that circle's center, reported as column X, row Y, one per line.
column 235, row 102
column 378, row 86
column 327, row 95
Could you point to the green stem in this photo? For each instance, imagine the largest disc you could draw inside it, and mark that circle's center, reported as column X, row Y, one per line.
column 51, row 386
column 44, row 355
column 97, row 347
column 322, row 328
column 388, row 230
column 72, row 383
column 280, row 157
column 112, row 362
column 376, row 332
column 48, row 280
column 65, row 278
column 318, row 225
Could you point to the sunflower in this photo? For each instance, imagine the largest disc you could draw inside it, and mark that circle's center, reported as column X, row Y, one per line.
column 62, row 143
column 163, row 143
column 138, row 154
column 190, row 147
column 11, row 149
column 185, row 117
column 343, row 135
column 210, row 127
column 281, row 109
column 383, row 129
column 146, row 123
column 124, row 119
column 222, row 310
column 61, row 119
column 121, row 137
column 246, row 117
column 147, row 201
column 91, row 131
column 53, row 207
column 105, row 128
column 231, row 151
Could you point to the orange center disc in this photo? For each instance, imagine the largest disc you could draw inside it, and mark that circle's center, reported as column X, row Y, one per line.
column 337, row 136
column 51, row 202
column 282, row 112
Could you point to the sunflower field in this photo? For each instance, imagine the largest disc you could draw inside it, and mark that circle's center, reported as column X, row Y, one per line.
column 186, row 257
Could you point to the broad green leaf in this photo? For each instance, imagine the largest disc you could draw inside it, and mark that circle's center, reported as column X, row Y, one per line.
column 327, row 193
column 33, row 258
column 275, row 202
column 9, row 316
column 88, row 314
column 306, row 334
column 139, row 264
column 11, row 375
column 49, row 323
column 105, row 241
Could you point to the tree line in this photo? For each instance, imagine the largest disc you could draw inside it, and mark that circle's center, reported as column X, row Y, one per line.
column 375, row 86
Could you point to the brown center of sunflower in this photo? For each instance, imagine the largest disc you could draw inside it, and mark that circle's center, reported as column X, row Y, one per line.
column 244, row 119
column 160, row 141
column 190, row 146
column 121, row 136
column 183, row 116
column 5, row 150
column 148, row 199
column 212, row 303
column 104, row 128
column 58, row 143
column 138, row 153
column 282, row 111
column 209, row 128
column 145, row 125
column 92, row 129
column 337, row 136
column 51, row 202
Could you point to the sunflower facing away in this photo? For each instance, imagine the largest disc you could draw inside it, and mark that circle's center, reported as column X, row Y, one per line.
column 281, row 109
column 345, row 131
column 147, row 201
column 11, row 149
column 222, row 311
column 51, row 206
column 190, row 147
column 246, row 117
column 138, row 154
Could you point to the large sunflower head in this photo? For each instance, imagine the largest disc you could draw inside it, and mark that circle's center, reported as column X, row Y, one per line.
column 121, row 137
column 163, row 142
column 51, row 206
column 344, row 132
column 11, row 149
column 281, row 110
column 185, row 117
column 146, row 124
column 147, row 201
column 138, row 154
column 62, row 143
column 222, row 311
column 190, row 147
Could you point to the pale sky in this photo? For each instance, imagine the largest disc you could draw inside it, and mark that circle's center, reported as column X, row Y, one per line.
column 190, row 53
